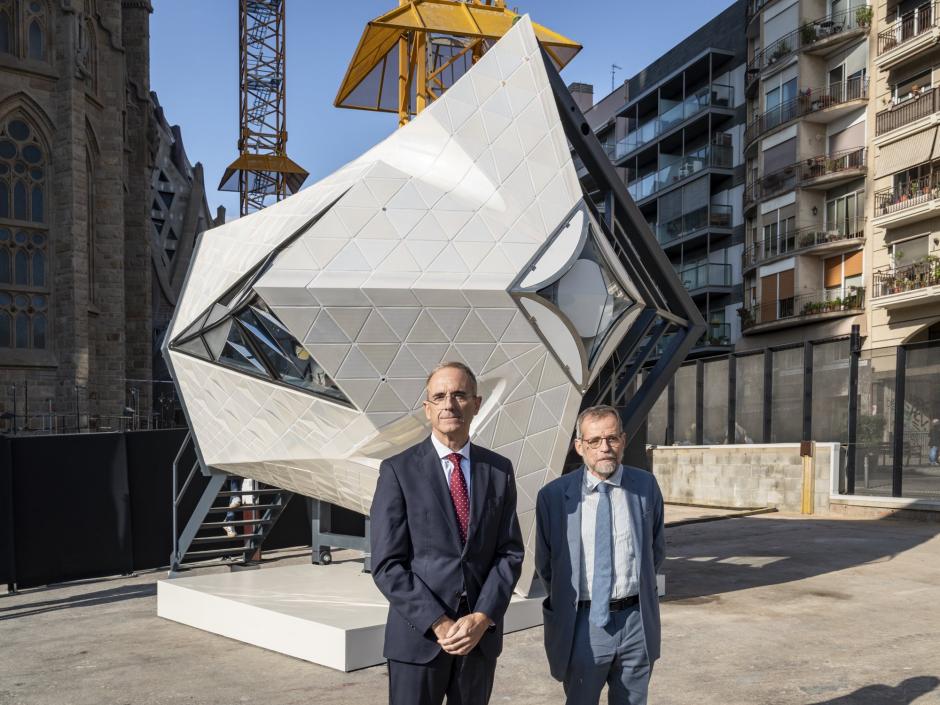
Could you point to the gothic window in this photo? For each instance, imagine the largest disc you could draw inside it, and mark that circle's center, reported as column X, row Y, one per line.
column 90, row 243
column 36, row 24
column 6, row 33
column 24, row 247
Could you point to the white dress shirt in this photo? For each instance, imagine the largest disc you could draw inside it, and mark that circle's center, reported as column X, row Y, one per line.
column 625, row 576
column 443, row 451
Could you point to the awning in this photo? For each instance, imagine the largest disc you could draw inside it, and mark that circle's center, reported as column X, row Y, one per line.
column 905, row 153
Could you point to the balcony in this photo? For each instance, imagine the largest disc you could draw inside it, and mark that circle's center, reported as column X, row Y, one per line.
column 707, row 277
column 909, row 285
column 716, row 335
column 713, row 155
column 700, row 220
column 825, row 104
column 717, row 95
column 810, row 307
column 907, row 36
column 810, row 240
column 908, row 202
column 820, row 36
column 819, row 172
column 908, row 111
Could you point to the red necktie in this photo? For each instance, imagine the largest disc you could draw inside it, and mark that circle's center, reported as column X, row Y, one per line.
column 460, row 496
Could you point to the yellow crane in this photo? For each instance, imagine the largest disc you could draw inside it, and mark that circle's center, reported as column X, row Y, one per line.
column 409, row 56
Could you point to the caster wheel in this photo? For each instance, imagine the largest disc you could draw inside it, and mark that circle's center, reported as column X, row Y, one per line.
column 326, row 557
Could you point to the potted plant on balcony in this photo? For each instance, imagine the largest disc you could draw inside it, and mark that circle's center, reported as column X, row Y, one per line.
column 863, row 15
column 808, row 33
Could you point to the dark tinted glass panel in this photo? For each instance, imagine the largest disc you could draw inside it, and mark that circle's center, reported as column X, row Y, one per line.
column 237, row 353
column 21, row 268
column 5, row 273
column 19, row 201
column 37, row 204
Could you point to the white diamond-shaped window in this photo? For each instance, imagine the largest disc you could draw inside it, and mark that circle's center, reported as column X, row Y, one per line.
column 576, row 293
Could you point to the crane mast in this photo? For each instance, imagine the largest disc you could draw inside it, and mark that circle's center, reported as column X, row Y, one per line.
column 263, row 172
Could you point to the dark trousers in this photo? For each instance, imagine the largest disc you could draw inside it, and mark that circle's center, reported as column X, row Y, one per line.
column 614, row 655
column 464, row 680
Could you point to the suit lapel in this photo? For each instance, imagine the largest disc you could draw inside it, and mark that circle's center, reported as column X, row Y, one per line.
column 573, row 514
column 431, row 465
column 479, row 490
column 636, row 514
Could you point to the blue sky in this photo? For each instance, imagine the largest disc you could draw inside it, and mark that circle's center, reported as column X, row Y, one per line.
column 194, row 68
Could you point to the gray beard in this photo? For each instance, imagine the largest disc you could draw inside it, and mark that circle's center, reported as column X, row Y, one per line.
column 602, row 472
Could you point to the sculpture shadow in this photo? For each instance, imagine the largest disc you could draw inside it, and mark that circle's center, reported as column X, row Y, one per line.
column 704, row 560
column 906, row 692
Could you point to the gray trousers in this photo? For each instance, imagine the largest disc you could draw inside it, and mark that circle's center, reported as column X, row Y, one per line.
column 615, row 655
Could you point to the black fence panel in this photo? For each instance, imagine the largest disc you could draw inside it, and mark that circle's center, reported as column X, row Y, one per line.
column 7, row 566
column 150, row 457
column 72, row 503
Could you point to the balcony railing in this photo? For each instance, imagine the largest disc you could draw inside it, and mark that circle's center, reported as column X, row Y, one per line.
column 908, row 26
column 809, row 34
column 801, row 172
column 715, row 216
column 908, row 111
column 908, row 194
column 803, row 239
column 705, row 274
column 716, row 334
column 674, row 112
column 710, row 155
column 808, row 101
column 910, row 277
column 803, row 306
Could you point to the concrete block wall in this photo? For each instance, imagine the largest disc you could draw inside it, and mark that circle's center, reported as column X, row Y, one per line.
column 750, row 475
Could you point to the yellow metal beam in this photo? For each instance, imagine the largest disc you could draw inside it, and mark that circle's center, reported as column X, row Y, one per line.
column 400, row 31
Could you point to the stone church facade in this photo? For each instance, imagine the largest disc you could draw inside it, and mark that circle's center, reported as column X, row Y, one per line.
column 92, row 182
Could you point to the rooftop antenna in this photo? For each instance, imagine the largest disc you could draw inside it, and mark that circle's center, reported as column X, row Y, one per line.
column 613, row 71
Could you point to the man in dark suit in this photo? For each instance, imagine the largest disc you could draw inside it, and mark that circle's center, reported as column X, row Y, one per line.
column 599, row 543
column 446, row 552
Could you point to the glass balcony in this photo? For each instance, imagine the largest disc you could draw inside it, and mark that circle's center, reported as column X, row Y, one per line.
column 704, row 275
column 710, row 155
column 674, row 112
column 808, row 305
column 907, row 27
column 719, row 216
column 911, row 277
column 715, row 334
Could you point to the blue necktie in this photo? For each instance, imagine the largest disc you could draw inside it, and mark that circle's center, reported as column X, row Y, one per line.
column 603, row 560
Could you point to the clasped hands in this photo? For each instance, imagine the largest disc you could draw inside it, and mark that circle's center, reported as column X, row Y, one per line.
column 459, row 637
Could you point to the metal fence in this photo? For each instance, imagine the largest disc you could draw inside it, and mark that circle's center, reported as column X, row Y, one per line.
column 883, row 407
column 148, row 405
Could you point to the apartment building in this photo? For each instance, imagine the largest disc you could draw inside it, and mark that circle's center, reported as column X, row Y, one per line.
column 904, row 249
column 674, row 131
column 807, row 194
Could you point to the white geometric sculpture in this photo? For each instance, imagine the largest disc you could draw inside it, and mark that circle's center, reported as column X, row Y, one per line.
column 301, row 343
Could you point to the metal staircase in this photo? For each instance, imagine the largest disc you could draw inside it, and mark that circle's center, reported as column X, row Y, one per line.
column 204, row 537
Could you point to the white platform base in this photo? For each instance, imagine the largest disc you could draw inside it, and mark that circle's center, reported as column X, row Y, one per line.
column 330, row 615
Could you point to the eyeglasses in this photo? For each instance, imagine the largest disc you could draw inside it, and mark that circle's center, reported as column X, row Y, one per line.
column 595, row 443
column 459, row 398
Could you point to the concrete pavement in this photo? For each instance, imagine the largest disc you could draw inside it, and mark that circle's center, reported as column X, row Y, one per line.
column 771, row 608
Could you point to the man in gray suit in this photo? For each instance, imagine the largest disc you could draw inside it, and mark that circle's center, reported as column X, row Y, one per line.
column 599, row 543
